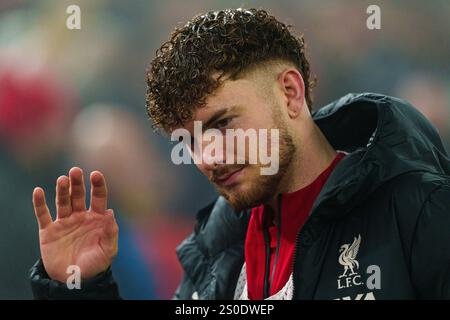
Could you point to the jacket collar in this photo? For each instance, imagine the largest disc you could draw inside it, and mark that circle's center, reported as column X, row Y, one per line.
column 385, row 137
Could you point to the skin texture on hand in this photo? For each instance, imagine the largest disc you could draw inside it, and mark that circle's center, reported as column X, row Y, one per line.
column 79, row 236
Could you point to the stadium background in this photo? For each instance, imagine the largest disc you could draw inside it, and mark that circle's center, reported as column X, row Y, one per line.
column 76, row 97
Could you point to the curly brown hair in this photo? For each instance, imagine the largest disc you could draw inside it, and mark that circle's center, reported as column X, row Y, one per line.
column 227, row 41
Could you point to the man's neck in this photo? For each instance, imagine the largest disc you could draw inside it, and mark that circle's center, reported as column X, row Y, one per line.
column 313, row 155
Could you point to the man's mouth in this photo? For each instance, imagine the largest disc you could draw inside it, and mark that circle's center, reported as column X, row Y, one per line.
column 229, row 178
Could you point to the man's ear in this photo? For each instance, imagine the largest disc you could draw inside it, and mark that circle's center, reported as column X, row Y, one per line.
column 292, row 86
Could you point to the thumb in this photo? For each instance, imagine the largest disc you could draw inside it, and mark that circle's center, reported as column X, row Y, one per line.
column 112, row 228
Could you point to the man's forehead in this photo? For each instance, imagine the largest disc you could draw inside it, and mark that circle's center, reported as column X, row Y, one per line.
column 229, row 90
column 231, row 95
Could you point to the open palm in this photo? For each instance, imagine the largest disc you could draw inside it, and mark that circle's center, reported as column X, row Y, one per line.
column 83, row 237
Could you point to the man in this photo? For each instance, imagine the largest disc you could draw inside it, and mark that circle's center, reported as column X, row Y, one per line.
column 358, row 208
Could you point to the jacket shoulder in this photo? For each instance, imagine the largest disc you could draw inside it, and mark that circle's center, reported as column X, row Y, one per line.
column 417, row 185
column 409, row 196
column 409, row 192
column 213, row 253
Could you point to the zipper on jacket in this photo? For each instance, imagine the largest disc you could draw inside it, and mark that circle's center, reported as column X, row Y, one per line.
column 296, row 248
column 268, row 284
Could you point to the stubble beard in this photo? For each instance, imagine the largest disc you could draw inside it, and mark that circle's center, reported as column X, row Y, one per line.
column 261, row 189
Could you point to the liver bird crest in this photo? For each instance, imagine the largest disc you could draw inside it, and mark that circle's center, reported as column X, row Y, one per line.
column 347, row 258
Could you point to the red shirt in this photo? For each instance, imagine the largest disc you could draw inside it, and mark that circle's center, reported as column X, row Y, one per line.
column 295, row 209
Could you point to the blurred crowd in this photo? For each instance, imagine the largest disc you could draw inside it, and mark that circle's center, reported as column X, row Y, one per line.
column 76, row 98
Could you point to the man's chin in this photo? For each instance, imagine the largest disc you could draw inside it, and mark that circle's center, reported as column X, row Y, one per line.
column 238, row 205
column 244, row 199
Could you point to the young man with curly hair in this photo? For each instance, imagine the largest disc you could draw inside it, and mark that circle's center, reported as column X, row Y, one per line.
column 358, row 208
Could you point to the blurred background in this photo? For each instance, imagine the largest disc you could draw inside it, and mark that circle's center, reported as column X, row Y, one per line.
column 77, row 98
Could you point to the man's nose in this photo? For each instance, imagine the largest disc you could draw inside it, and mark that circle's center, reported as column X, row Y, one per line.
column 212, row 155
column 209, row 160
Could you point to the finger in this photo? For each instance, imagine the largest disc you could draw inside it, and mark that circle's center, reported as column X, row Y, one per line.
column 112, row 229
column 112, row 232
column 63, row 205
column 77, row 189
column 40, row 208
column 99, row 192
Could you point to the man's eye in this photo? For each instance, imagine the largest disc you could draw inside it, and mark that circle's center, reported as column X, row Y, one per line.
column 223, row 123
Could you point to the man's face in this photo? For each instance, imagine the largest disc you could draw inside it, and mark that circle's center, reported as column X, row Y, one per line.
column 243, row 104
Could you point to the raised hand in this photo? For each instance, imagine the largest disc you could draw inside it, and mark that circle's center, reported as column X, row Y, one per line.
column 79, row 236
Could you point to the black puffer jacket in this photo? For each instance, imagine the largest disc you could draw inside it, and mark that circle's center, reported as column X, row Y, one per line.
column 379, row 229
